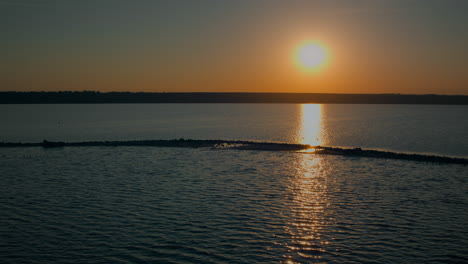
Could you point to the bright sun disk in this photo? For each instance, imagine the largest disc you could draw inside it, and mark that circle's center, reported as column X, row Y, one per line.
column 311, row 56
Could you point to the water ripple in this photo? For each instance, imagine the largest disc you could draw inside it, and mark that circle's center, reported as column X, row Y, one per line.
column 139, row 205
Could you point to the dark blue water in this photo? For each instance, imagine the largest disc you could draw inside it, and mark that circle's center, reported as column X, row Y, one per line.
column 170, row 205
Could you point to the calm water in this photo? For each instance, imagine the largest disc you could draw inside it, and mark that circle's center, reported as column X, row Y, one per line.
column 410, row 128
column 169, row 205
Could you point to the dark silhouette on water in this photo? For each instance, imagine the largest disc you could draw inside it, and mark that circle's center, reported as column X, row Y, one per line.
column 92, row 97
column 246, row 145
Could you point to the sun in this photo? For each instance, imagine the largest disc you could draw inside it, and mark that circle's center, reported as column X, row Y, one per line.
column 311, row 56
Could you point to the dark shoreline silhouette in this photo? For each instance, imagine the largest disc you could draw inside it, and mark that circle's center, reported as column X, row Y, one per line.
column 92, row 97
column 246, row 145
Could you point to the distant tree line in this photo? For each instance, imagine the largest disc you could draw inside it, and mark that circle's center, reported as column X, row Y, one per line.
column 95, row 97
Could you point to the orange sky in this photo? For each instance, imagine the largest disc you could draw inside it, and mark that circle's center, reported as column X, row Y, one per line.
column 415, row 47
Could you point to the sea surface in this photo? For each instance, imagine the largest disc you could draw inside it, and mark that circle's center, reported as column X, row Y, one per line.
column 185, row 205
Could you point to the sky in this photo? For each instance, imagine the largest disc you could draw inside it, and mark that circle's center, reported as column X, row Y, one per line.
column 374, row 46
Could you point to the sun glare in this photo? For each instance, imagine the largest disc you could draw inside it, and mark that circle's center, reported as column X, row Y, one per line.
column 311, row 122
column 311, row 56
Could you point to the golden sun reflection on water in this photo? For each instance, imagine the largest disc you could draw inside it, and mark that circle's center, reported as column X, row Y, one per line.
column 309, row 216
column 308, row 211
column 311, row 124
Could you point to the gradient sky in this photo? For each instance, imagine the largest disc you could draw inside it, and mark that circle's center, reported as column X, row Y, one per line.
column 410, row 46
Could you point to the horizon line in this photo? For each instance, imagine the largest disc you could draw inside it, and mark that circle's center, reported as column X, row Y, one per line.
column 163, row 92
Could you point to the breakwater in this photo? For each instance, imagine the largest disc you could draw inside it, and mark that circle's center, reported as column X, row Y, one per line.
column 176, row 143
column 246, row 145
column 358, row 152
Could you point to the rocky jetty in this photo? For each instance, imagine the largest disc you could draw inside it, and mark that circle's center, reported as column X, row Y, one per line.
column 176, row 143
column 246, row 145
column 358, row 152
